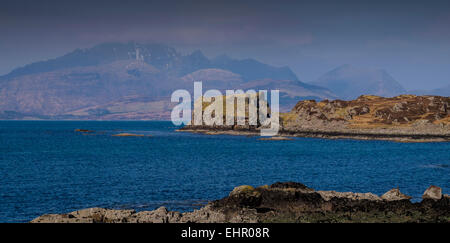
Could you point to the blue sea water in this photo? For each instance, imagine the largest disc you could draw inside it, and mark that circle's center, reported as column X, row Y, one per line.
column 47, row 167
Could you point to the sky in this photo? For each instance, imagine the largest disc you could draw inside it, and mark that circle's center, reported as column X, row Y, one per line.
column 409, row 39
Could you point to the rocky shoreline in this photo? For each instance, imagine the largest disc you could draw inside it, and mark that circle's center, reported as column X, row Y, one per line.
column 283, row 202
column 388, row 135
column 405, row 118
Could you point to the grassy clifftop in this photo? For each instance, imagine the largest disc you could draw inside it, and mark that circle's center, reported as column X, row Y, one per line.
column 368, row 112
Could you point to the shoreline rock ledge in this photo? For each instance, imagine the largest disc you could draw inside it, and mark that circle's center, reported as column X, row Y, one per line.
column 283, row 202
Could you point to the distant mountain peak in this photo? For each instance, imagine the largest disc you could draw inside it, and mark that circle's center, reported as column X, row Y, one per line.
column 198, row 53
column 349, row 81
column 198, row 57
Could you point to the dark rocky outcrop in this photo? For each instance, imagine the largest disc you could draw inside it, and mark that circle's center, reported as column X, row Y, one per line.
column 279, row 202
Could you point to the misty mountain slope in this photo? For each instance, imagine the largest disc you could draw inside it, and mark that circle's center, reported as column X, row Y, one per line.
column 133, row 107
column 162, row 57
column 291, row 91
column 213, row 78
column 443, row 91
column 133, row 81
column 58, row 92
column 251, row 69
column 349, row 82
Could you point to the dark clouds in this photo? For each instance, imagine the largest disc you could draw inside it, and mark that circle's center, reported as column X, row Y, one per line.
column 410, row 39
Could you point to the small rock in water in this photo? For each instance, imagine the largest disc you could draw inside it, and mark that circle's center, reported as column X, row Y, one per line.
column 433, row 192
column 83, row 130
column 128, row 135
column 276, row 138
column 395, row 195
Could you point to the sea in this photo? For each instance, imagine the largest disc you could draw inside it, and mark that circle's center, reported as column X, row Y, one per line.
column 48, row 167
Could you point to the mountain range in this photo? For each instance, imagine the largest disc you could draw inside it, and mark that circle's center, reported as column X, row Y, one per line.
column 112, row 81
column 134, row 81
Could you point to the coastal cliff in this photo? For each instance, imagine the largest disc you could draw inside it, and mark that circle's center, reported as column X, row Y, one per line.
column 406, row 118
column 282, row 202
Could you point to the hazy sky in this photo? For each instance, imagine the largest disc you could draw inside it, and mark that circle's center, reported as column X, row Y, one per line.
column 410, row 39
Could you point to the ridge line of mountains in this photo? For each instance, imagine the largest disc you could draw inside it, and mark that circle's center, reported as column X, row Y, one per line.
column 114, row 81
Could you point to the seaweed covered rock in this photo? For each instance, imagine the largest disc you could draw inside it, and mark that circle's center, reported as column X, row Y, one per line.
column 290, row 184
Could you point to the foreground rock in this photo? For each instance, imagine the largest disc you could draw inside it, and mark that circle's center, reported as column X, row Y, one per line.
column 433, row 192
column 395, row 195
column 279, row 202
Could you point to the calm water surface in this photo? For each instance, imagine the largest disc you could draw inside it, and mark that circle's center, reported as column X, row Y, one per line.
column 46, row 167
